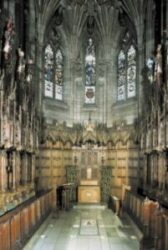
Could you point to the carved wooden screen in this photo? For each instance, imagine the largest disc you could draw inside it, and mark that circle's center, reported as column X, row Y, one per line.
column 106, row 176
column 94, row 173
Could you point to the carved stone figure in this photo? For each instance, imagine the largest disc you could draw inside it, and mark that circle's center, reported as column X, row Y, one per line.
column 8, row 39
column 150, row 66
column 21, row 62
column 158, row 66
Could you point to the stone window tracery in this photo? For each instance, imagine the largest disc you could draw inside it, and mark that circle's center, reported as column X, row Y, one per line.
column 121, row 75
column 131, row 72
column 48, row 71
column 53, row 73
column 126, row 71
column 58, row 75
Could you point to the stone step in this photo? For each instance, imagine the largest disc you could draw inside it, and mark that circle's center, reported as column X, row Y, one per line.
column 89, row 206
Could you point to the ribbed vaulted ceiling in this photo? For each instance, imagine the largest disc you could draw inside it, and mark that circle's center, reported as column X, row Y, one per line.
column 105, row 12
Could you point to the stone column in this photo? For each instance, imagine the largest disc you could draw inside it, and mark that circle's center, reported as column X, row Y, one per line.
column 24, row 168
column 145, row 168
column 18, row 164
column 14, row 173
column 72, row 91
column 33, row 167
column 140, row 63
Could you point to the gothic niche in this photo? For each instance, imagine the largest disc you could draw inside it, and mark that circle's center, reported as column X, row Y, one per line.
column 90, row 25
column 9, row 170
column 8, row 42
column 58, row 18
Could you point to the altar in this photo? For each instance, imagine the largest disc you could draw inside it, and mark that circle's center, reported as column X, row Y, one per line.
column 89, row 190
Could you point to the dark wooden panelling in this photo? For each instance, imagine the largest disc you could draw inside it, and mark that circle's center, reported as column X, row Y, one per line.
column 5, row 236
column 17, row 226
column 151, row 218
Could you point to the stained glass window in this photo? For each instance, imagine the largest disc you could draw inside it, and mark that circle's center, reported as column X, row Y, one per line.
column 90, row 64
column 58, row 75
column 126, row 73
column 131, row 72
column 121, row 76
column 48, row 71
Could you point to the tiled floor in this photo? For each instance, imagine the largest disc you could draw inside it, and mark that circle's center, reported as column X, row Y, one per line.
column 84, row 228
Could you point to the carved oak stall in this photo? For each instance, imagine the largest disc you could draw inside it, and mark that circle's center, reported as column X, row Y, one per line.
column 18, row 225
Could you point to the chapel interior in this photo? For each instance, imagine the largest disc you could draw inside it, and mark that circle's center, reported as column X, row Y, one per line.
column 84, row 124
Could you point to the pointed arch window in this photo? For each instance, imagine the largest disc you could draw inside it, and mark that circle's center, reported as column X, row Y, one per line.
column 126, row 71
column 131, row 72
column 48, row 71
column 53, row 73
column 59, row 75
column 121, row 75
column 90, row 72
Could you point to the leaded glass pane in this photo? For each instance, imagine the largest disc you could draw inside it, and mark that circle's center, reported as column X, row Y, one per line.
column 59, row 75
column 121, row 76
column 48, row 71
column 58, row 92
column 90, row 63
column 131, row 72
